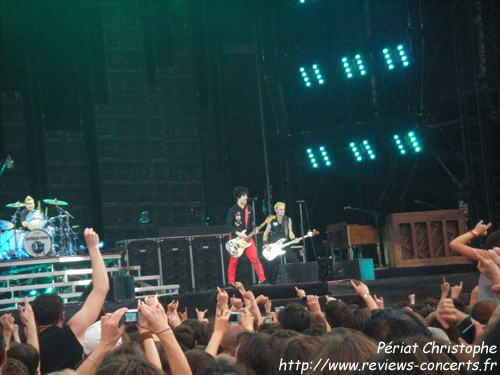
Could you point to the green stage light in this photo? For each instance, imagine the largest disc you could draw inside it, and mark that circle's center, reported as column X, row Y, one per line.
column 354, row 66
column 314, row 73
column 315, row 162
column 33, row 293
column 395, row 57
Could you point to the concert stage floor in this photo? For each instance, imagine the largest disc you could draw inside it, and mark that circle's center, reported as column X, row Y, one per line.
column 393, row 284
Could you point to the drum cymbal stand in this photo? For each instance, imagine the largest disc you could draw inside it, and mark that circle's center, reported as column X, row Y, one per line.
column 16, row 253
column 68, row 237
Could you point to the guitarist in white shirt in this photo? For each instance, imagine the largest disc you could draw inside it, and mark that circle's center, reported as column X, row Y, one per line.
column 279, row 228
column 239, row 221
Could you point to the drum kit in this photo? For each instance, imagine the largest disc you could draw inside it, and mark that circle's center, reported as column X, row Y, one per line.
column 46, row 236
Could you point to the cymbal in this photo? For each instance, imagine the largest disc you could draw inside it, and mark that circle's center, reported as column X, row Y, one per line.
column 55, row 202
column 6, row 225
column 16, row 205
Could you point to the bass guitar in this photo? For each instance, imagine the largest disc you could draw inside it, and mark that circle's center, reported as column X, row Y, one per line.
column 276, row 249
column 236, row 247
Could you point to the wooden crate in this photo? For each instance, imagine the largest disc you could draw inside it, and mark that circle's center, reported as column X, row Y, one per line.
column 422, row 238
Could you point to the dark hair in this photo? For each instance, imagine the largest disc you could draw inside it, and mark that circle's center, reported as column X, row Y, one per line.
column 295, row 316
column 283, row 334
column 299, row 348
column 255, row 352
column 185, row 336
column 334, row 312
column 493, row 240
column 124, row 365
column 356, row 318
column 344, row 345
column 198, row 359
column 391, row 324
column 222, row 366
column 48, row 308
column 201, row 331
column 483, row 310
column 425, row 311
column 239, row 191
column 15, row 367
column 27, row 354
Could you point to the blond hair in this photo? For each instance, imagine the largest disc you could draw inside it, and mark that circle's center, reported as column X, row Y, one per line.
column 28, row 198
column 279, row 204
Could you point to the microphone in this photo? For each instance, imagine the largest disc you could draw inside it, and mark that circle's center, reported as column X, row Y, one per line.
column 252, row 198
column 300, row 201
column 10, row 162
column 347, row 207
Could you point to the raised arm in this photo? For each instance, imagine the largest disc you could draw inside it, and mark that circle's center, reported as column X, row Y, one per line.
column 93, row 304
column 364, row 292
column 156, row 321
column 460, row 244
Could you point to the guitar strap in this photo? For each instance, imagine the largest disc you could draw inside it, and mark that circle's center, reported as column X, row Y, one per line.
column 246, row 217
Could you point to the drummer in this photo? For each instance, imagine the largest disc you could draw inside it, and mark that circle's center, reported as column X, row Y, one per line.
column 30, row 206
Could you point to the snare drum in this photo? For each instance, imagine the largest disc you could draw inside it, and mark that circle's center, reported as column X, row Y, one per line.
column 37, row 243
column 36, row 220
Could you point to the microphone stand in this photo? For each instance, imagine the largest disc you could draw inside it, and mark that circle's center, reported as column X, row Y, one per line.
column 376, row 216
column 302, row 226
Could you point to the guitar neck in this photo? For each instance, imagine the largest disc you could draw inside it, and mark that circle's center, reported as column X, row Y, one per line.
column 253, row 232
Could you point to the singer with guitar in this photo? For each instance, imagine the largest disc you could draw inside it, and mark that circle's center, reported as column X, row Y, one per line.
column 239, row 221
column 279, row 228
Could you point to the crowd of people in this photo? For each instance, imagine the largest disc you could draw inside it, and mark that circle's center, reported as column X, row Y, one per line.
column 452, row 332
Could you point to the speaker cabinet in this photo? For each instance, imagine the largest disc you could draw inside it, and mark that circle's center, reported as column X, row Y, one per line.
column 121, row 288
column 144, row 253
column 176, row 263
column 292, row 273
column 359, row 269
column 207, row 262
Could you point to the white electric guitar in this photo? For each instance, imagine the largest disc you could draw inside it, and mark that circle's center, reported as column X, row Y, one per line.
column 276, row 249
column 236, row 247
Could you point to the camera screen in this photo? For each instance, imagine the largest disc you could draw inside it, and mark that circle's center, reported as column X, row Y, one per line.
column 130, row 317
column 235, row 317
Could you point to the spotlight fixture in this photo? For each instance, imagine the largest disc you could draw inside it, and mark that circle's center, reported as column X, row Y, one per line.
column 395, row 57
column 354, row 66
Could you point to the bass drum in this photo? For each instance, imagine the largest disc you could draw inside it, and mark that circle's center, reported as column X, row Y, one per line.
column 36, row 220
column 37, row 243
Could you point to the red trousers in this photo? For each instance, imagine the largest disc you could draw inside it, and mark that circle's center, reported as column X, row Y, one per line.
column 251, row 253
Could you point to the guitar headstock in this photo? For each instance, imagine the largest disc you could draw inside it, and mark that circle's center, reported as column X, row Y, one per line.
column 312, row 233
column 269, row 219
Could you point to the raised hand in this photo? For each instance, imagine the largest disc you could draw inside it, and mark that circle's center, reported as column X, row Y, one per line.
column 91, row 238
column 456, row 290
column 200, row 314
column 380, row 301
column 300, row 292
column 237, row 303
column 155, row 319
column 360, row 288
column 172, row 306
column 247, row 319
column 313, row 304
column 481, row 229
column 222, row 298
